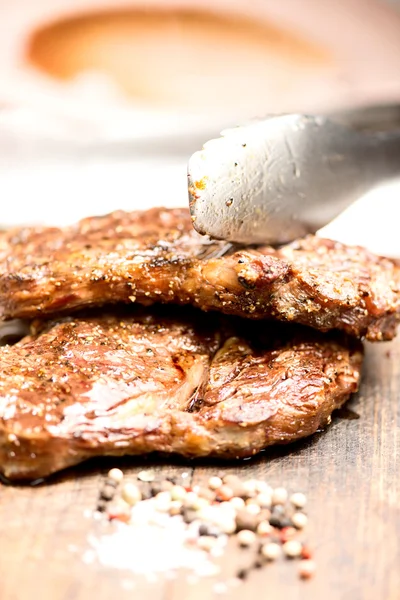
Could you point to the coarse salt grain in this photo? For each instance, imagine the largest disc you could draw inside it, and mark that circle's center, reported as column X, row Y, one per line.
column 191, row 537
column 208, row 570
column 147, row 549
column 210, row 514
column 162, row 501
column 220, row 588
column 158, row 518
column 222, row 540
column 217, row 551
column 226, row 506
column 227, row 525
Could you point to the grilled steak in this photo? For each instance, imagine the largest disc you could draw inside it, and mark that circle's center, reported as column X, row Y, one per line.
column 156, row 256
column 136, row 382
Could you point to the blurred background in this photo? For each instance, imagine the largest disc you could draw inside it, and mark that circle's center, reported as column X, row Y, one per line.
column 102, row 103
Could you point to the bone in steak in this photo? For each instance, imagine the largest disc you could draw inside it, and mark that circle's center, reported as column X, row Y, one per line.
column 135, row 382
column 156, row 256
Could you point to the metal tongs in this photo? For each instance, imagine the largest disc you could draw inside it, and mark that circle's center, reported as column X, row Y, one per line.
column 281, row 178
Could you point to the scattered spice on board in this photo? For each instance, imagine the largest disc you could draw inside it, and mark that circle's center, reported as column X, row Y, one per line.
column 266, row 524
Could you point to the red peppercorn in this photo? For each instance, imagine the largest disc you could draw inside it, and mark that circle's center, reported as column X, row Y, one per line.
column 287, row 533
column 306, row 552
column 124, row 517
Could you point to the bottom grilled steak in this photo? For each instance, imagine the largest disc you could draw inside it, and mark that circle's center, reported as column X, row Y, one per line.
column 138, row 382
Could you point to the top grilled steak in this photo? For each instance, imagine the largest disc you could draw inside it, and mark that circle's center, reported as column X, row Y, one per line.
column 137, row 382
column 156, row 256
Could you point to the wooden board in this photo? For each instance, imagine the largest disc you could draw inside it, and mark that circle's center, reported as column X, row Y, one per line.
column 350, row 473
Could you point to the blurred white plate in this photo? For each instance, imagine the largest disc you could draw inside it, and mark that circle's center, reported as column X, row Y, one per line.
column 362, row 41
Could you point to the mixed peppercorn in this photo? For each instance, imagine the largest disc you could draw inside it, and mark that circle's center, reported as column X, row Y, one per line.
column 262, row 519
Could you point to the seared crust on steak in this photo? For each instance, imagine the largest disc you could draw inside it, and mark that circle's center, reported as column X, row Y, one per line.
column 138, row 382
column 156, row 256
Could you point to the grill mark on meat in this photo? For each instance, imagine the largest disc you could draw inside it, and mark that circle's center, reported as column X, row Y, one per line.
column 156, row 256
column 170, row 381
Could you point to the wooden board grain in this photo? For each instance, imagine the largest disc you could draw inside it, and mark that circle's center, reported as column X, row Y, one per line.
column 350, row 473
